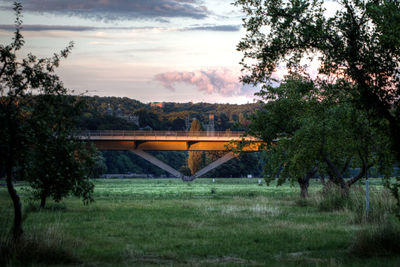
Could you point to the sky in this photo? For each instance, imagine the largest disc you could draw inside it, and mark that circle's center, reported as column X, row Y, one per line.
column 149, row 50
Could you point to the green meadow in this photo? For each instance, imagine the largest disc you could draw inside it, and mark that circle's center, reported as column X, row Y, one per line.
column 232, row 222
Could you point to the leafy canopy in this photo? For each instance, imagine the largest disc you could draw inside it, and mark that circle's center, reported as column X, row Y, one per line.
column 360, row 43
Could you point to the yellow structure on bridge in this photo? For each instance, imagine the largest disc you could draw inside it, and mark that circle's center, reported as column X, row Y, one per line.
column 140, row 141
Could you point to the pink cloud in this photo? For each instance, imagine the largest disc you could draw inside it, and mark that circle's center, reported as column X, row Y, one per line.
column 221, row 81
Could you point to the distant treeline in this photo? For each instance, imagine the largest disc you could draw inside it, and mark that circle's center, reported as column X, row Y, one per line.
column 114, row 113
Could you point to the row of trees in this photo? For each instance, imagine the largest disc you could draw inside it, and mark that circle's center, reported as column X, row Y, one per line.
column 349, row 114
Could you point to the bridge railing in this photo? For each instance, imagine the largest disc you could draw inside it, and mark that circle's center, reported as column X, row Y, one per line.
column 161, row 133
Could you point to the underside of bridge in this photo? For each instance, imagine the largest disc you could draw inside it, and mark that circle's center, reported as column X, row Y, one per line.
column 139, row 148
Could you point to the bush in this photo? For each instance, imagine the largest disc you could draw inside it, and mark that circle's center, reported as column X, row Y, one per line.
column 380, row 240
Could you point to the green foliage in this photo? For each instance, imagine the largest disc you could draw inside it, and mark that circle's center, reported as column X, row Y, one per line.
column 308, row 128
column 358, row 47
column 59, row 164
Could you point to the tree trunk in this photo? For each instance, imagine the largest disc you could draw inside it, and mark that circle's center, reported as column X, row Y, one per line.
column 360, row 175
column 43, row 198
column 336, row 176
column 322, row 177
column 10, row 161
column 17, row 226
column 304, row 182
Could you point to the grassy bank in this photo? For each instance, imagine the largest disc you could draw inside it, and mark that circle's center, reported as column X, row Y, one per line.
column 168, row 222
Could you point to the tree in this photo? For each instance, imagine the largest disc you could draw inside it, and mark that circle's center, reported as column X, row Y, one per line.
column 361, row 42
column 195, row 159
column 35, row 113
column 59, row 166
column 315, row 132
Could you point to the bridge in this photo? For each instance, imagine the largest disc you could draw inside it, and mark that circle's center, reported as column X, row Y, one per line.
column 140, row 141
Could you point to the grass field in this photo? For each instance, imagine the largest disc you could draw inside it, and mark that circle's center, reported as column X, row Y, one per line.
column 232, row 222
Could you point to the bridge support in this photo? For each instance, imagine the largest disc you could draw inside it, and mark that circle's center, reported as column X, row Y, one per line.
column 157, row 162
column 227, row 157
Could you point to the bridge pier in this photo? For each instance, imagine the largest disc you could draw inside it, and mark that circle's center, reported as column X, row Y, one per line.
column 157, row 162
column 227, row 157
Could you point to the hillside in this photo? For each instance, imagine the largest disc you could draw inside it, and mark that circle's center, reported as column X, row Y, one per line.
column 113, row 113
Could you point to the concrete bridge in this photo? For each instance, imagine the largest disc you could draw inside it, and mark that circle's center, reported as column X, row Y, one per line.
column 140, row 141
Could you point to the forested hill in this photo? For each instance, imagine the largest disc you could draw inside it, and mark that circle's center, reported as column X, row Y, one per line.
column 114, row 113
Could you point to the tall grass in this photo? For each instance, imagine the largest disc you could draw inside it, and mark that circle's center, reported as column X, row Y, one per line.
column 381, row 233
column 377, row 240
column 37, row 246
column 381, row 203
column 136, row 222
column 332, row 198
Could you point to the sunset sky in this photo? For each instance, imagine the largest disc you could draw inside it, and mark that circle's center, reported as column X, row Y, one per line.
column 149, row 50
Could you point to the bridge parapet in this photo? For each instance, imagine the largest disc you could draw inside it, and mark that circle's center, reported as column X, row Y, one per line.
column 166, row 135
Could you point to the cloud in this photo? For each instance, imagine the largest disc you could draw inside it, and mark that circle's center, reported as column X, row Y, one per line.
column 221, row 81
column 39, row 28
column 219, row 28
column 120, row 9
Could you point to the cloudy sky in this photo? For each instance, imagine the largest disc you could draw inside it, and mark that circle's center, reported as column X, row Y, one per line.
column 149, row 50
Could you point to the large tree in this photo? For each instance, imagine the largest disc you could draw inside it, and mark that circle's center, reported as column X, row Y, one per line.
column 34, row 109
column 360, row 42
